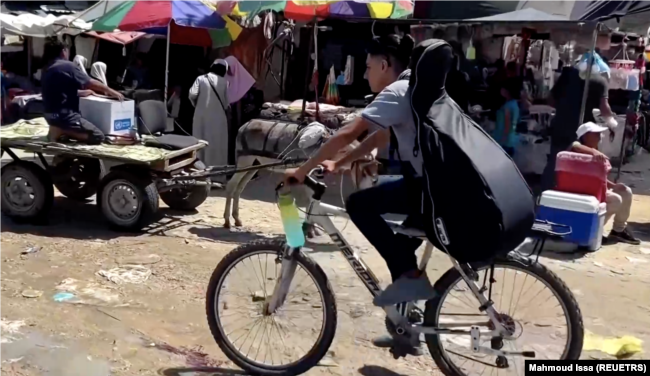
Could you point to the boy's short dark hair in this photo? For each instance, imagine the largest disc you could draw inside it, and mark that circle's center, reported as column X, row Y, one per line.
column 53, row 49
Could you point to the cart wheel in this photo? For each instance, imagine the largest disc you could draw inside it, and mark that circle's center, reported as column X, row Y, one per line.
column 187, row 198
column 77, row 177
column 127, row 201
column 27, row 192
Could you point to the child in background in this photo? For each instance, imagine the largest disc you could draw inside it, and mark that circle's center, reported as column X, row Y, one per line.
column 508, row 117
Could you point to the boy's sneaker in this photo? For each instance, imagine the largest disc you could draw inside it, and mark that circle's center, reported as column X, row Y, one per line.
column 406, row 290
column 625, row 236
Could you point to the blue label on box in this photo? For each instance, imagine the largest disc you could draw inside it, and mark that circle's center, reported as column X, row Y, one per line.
column 122, row 124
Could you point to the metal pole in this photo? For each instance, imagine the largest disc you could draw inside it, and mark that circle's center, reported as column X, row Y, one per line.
column 81, row 14
column 316, row 69
column 590, row 63
column 169, row 28
column 29, row 57
column 284, row 44
column 620, row 155
column 308, row 74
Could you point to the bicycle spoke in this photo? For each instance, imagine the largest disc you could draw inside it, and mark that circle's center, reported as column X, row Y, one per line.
column 256, row 334
column 247, row 334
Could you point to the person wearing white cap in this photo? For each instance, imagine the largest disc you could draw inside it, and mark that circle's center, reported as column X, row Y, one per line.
column 619, row 196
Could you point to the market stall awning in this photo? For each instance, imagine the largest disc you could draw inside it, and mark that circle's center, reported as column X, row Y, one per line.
column 461, row 10
column 32, row 25
column 308, row 9
column 574, row 10
column 119, row 37
column 97, row 11
column 154, row 17
column 597, row 10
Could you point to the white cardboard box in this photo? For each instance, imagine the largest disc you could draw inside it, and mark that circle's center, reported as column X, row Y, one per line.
column 109, row 115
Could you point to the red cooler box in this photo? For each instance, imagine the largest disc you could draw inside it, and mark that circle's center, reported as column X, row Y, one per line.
column 579, row 173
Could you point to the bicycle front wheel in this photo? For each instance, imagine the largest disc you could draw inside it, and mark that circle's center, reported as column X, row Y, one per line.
column 531, row 302
column 290, row 341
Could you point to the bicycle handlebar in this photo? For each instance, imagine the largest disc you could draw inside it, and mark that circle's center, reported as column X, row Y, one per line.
column 311, row 183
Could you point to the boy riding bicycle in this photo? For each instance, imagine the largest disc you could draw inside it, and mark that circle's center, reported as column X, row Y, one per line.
column 389, row 121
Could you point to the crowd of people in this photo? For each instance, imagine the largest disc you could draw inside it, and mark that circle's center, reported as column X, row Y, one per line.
column 509, row 91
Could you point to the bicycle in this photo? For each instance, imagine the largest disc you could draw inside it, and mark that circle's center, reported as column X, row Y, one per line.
column 497, row 329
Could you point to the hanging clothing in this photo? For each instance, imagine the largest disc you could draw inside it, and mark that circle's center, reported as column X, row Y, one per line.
column 98, row 72
column 239, row 80
column 209, row 95
column 80, row 62
column 249, row 50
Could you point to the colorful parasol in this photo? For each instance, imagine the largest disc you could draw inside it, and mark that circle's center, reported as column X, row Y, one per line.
column 194, row 22
column 308, row 9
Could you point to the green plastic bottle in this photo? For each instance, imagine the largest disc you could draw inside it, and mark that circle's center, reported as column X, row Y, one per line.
column 291, row 221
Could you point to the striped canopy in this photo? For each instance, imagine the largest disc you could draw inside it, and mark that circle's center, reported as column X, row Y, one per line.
column 154, row 17
column 215, row 28
column 308, row 9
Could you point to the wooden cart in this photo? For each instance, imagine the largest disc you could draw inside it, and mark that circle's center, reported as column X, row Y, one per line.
column 127, row 187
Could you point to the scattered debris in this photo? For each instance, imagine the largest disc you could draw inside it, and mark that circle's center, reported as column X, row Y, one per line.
column 327, row 362
column 31, row 249
column 258, row 296
column 599, row 264
column 32, row 294
column 108, row 314
column 195, row 357
column 140, row 260
column 63, row 297
column 645, row 251
column 15, row 360
column 356, row 311
column 11, row 326
column 620, row 347
column 88, row 293
column 126, row 274
column 636, row 260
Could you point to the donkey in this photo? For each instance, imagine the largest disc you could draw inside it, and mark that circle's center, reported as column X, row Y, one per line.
column 265, row 141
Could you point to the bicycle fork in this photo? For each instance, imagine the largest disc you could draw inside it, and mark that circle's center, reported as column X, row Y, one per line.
column 282, row 285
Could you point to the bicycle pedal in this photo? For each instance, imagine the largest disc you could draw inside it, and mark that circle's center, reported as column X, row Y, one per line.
column 398, row 352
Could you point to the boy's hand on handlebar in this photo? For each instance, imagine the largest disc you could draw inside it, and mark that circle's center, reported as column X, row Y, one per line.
column 330, row 166
column 294, row 176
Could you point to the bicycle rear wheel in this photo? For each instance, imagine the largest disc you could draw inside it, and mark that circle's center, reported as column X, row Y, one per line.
column 284, row 353
column 524, row 295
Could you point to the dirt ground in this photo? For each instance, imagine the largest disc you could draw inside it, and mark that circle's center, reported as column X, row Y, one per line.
column 158, row 327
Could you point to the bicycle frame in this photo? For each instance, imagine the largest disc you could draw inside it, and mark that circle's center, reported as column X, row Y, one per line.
column 319, row 213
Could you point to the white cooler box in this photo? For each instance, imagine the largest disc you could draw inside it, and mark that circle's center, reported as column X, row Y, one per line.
column 585, row 214
column 110, row 116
